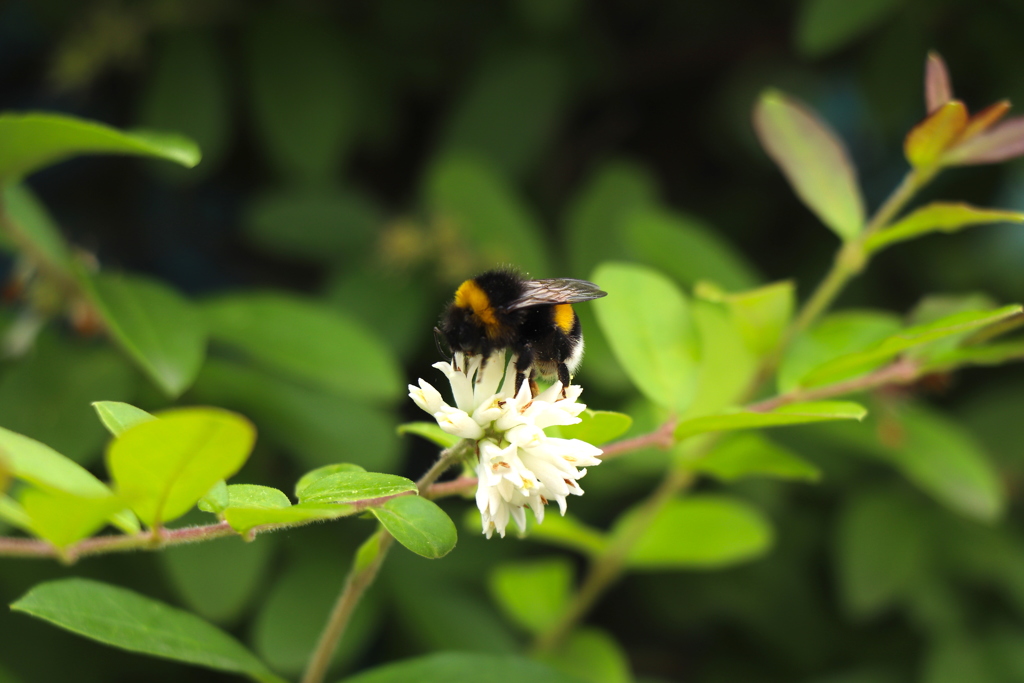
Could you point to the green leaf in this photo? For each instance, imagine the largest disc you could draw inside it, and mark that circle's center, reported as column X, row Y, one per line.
column 751, row 455
column 597, row 427
column 450, row 667
column 157, row 327
column 429, row 431
column 591, row 655
column 46, row 395
column 938, row 306
column 297, row 605
column 533, row 594
column 14, row 514
column 45, row 468
column 410, row 305
column 256, row 496
column 216, row 499
column 468, row 196
column 454, row 614
column 245, row 519
column 63, row 518
column 302, row 86
column 926, row 144
column 699, row 532
column 565, row 531
column 596, row 216
column 647, row 321
column 33, row 140
column 943, row 459
column 792, row 414
column 163, row 467
column 305, row 422
column 957, row 659
column 990, row 354
column 121, row 618
column 938, row 217
column 34, row 229
column 349, row 487
column 188, row 91
column 836, row 335
column 418, row 524
column 825, row 26
column 509, row 114
column 119, row 417
column 761, row 315
column 853, row 364
column 218, row 580
column 685, row 248
column 814, row 161
column 319, row 224
column 48, row 470
column 881, row 550
column 727, row 365
column 320, row 472
column 306, row 341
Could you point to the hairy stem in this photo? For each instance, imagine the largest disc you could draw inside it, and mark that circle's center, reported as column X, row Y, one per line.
column 659, row 438
column 911, row 183
column 903, row 371
column 100, row 545
column 852, row 257
column 363, row 572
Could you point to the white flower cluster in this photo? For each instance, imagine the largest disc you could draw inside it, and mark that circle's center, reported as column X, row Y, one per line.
column 520, row 466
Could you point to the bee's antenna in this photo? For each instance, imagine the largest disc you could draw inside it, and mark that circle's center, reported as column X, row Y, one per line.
column 440, row 341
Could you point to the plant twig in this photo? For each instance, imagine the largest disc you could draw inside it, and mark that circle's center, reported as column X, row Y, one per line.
column 99, row 545
column 454, row 487
column 902, row 371
column 361, row 575
column 659, row 438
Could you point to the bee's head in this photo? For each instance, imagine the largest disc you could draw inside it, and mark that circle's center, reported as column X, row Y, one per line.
column 461, row 330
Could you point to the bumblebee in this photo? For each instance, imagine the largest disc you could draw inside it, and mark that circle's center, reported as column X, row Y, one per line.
column 500, row 309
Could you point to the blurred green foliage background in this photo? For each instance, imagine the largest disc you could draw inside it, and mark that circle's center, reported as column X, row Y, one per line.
column 365, row 157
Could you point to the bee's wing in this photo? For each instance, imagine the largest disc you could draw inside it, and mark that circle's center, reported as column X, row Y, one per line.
column 555, row 291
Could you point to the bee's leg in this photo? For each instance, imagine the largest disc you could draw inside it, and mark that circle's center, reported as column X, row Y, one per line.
column 534, row 389
column 524, row 361
column 563, row 377
column 483, row 364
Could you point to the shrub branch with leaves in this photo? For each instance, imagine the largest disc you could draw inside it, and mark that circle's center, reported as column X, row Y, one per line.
column 719, row 365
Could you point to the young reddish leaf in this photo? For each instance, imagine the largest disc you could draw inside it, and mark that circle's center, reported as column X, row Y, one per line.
column 984, row 120
column 939, row 216
column 1000, row 143
column 927, row 140
column 937, row 88
column 813, row 159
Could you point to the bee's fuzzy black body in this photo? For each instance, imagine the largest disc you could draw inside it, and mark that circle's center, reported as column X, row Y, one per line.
column 500, row 309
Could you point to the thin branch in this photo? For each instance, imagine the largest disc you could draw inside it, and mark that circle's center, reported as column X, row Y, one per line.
column 455, row 487
column 903, row 371
column 659, row 438
column 99, row 545
column 154, row 540
column 361, row 576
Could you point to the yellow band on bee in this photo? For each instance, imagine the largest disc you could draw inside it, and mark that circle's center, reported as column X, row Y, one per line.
column 469, row 295
column 564, row 317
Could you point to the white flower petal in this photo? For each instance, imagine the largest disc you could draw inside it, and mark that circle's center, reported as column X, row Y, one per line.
column 458, row 423
column 551, row 394
column 426, row 397
column 489, row 377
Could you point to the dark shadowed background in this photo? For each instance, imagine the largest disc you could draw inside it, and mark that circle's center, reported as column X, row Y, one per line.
column 368, row 156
